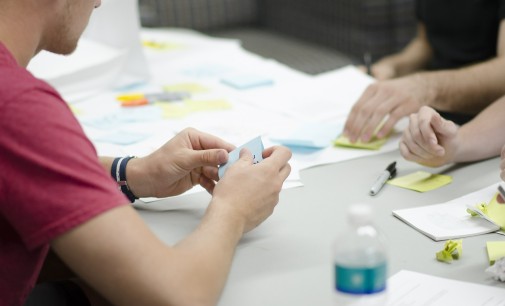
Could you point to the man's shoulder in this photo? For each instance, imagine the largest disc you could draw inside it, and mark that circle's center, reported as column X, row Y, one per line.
column 16, row 81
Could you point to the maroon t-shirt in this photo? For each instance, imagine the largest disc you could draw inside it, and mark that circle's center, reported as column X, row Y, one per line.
column 51, row 179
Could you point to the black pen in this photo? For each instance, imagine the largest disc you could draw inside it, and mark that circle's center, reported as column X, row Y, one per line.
column 387, row 174
column 367, row 59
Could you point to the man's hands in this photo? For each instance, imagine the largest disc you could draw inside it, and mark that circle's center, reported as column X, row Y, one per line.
column 386, row 101
column 430, row 140
column 250, row 191
column 188, row 159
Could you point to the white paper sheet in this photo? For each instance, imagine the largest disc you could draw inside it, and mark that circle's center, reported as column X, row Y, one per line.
column 407, row 288
column 450, row 220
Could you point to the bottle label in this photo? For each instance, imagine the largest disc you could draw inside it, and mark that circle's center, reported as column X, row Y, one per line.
column 359, row 280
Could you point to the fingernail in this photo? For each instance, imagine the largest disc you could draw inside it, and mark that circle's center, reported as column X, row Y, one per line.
column 222, row 157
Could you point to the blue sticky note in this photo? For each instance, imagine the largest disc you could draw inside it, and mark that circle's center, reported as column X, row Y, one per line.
column 311, row 135
column 256, row 148
column 246, row 81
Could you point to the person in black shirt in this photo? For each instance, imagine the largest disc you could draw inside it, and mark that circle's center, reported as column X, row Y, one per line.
column 455, row 64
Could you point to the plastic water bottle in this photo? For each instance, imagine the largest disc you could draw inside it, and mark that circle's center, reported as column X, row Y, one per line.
column 360, row 261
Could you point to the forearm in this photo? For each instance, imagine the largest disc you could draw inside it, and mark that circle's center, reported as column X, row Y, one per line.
column 209, row 251
column 120, row 258
column 467, row 90
column 414, row 57
column 484, row 136
column 196, row 269
column 106, row 162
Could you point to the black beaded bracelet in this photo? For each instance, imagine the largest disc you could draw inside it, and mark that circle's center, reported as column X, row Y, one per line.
column 118, row 172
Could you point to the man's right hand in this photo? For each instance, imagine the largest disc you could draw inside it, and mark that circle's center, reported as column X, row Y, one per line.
column 386, row 102
column 429, row 140
column 251, row 191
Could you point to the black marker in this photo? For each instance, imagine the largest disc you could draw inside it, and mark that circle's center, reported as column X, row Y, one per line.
column 387, row 174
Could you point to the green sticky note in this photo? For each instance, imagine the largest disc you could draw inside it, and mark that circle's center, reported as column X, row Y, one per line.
column 421, row 181
column 495, row 251
column 373, row 144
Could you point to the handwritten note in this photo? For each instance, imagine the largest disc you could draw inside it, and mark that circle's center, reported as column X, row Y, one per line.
column 421, row 181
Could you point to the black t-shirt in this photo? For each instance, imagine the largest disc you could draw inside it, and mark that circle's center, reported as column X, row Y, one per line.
column 461, row 32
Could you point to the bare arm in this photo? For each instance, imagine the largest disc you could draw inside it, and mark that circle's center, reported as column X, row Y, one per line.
column 484, row 136
column 470, row 89
column 433, row 141
column 414, row 57
column 119, row 257
column 465, row 90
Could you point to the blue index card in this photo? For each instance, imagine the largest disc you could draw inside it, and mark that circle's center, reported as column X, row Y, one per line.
column 313, row 135
column 246, row 81
column 256, row 148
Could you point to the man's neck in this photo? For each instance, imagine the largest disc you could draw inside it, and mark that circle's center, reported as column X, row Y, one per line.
column 20, row 34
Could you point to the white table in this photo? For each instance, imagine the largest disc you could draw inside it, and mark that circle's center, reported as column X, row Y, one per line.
column 287, row 260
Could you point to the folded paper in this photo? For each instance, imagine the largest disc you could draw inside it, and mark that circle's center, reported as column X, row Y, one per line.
column 453, row 250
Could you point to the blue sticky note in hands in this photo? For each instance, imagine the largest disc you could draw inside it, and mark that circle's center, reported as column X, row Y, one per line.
column 255, row 146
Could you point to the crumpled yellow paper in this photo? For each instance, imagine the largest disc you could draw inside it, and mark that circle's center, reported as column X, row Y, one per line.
column 453, row 250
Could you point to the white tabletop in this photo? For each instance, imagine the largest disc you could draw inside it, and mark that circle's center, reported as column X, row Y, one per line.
column 287, row 260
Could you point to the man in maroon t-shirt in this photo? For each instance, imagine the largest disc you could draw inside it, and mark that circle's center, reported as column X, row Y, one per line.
column 57, row 200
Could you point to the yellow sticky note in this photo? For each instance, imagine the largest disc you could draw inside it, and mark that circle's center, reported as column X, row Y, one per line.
column 160, row 46
column 421, row 181
column 173, row 110
column 373, row 144
column 495, row 250
column 494, row 210
column 186, row 87
column 205, row 105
